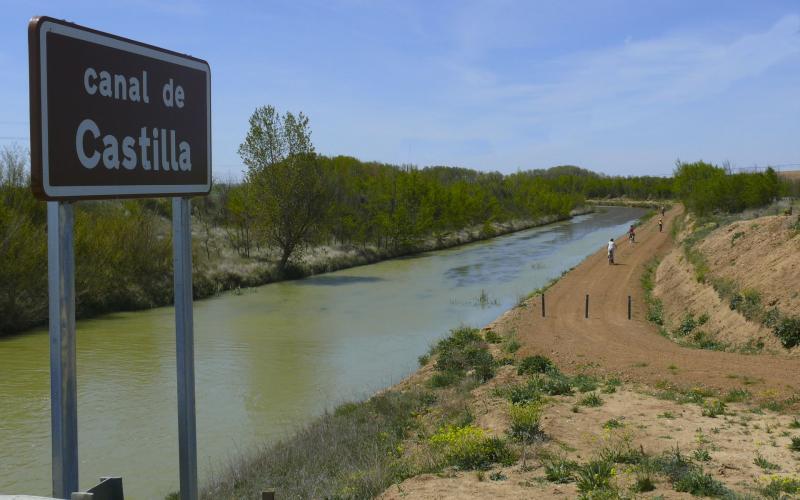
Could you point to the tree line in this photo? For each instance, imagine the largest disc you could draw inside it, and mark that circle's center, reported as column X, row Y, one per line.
column 291, row 199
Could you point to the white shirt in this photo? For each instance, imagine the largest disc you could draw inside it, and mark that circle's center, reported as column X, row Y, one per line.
column 611, row 246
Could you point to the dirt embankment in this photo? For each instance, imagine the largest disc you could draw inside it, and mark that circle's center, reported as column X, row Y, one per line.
column 762, row 254
column 757, row 258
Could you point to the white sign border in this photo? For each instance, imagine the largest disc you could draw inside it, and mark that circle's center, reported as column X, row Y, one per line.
column 113, row 191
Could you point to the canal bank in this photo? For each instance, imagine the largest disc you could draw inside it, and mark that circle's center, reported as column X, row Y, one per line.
column 271, row 358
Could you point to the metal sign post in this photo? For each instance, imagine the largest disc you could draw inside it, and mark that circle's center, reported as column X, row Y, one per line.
column 63, row 384
column 114, row 118
column 184, row 346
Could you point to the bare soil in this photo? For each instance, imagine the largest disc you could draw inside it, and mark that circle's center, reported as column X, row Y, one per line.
column 762, row 254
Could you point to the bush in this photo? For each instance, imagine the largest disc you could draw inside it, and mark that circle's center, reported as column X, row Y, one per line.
column 535, row 364
column 595, row 475
column 444, row 379
column 530, row 392
column 699, row 483
column 558, row 469
column 713, row 409
column 584, row 383
column 469, row 447
column 464, row 350
column 795, row 444
column 778, row 485
column 591, row 399
column 788, row 331
column 493, row 337
column 687, row 326
column 525, row 420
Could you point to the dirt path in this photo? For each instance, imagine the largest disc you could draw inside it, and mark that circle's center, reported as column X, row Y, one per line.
column 611, row 342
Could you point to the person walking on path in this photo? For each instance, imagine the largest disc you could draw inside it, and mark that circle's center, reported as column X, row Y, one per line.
column 611, row 248
column 632, row 234
column 662, row 210
column 660, row 224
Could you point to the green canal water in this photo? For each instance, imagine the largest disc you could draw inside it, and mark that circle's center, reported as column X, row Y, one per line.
column 266, row 360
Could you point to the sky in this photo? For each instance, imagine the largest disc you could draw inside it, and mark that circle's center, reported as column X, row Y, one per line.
column 619, row 87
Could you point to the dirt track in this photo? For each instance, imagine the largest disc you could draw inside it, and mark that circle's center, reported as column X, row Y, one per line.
column 634, row 348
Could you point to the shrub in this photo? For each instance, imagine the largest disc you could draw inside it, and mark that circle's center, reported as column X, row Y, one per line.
column 464, row 350
column 613, row 424
column 469, row 447
column 778, row 485
column 687, row 326
column 699, row 483
column 493, row 337
column 591, row 399
column 529, row 392
column 595, row 475
column 795, row 444
column 584, row 383
column 737, row 396
column 788, row 331
column 535, row 364
column 701, row 455
column 558, row 469
column 557, row 384
column 444, row 379
column 794, row 424
column 713, row 409
column 525, row 420
column 764, row 463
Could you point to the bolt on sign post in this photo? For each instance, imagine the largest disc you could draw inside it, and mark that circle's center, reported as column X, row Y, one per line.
column 114, row 118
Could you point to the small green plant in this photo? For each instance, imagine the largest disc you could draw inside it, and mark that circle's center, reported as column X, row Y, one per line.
column 736, row 396
column 794, row 445
column 493, row 337
column 529, row 392
column 698, row 483
column 557, row 384
column 613, row 424
column 444, row 379
column 423, row 360
column 794, row 424
column 736, row 236
column 714, row 408
column 778, row 485
column 788, row 331
column 611, row 385
column 764, row 463
column 558, row 469
column 584, row 383
column 535, row 364
column 525, row 420
column 591, row 400
column 701, row 455
column 644, row 477
column 497, row 476
column 687, row 326
column 667, row 414
column 703, row 319
column 595, row 476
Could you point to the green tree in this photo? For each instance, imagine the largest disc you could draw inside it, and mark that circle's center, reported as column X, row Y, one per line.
column 290, row 199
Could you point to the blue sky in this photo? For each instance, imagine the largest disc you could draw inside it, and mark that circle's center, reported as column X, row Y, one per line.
column 621, row 87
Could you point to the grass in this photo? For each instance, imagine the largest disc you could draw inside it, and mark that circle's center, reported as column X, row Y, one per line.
column 794, row 424
column 591, row 400
column 535, row 364
column 687, row 477
column 351, row 452
column 655, row 308
column 779, row 485
column 765, row 464
column 737, row 396
column 558, row 469
column 794, row 445
column 595, row 476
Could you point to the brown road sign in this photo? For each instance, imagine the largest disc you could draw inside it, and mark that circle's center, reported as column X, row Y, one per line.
column 115, row 118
